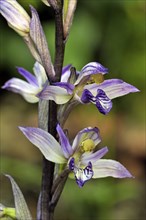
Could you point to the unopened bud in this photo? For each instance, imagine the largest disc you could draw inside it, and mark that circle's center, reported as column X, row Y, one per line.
column 16, row 16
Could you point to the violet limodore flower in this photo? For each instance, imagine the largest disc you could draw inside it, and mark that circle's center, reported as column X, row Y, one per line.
column 88, row 86
column 81, row 158
column 34, row 84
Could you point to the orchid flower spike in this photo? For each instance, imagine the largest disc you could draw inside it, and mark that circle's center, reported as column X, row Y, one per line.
column 89, row 86
column 81, row 158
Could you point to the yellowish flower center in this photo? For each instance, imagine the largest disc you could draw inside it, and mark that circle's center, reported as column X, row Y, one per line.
column 96, row 78
column 88, row 145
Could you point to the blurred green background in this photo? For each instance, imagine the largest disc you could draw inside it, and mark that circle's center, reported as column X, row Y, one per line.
column 112, row 33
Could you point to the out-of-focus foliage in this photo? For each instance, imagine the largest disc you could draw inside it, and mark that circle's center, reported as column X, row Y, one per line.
column 113, row 33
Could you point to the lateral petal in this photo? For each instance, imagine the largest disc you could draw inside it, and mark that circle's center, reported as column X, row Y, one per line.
column 106, row 167
column 46, row 143
column 28, row 76
column 93, row 157
column 113, row 88
column 65, row 145
column 55, row 93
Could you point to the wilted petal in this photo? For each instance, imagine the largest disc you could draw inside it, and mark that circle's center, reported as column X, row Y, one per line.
column 86, row 133
column 65, row 145
column 105, row 168
column 55, row 93
column 28, row 76
column 46, row 143
column 23, row 88
column 93, row 157
column 91, row 68
column 113, row 88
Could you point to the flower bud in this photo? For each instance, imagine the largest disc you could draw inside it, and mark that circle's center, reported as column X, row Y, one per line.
column 46, row 2
column 16, row 16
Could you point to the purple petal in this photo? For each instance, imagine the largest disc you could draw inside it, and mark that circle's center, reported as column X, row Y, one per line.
column 93, row 68
column 104, row 168
column 71, row 164
column 66, row 73
column 28, row 76
column 86, row 133
column 65, row 145
column 103, row 103
column 93, row 157
column 45, row 142
column 89, row 69
column 113, row 88
column 69, row 87
column 86, row 96
column 83, row 175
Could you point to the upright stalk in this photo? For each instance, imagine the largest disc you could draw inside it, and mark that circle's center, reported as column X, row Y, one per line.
column 48, row 121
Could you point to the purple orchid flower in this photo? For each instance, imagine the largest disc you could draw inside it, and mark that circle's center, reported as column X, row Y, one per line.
column 80, row 158
column 88, row 86
column 34, row 85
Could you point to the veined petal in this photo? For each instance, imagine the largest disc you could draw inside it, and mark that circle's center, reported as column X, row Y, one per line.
column 113, row 88
column 45, row 142
column 103, row 103
column 91, row 68
column 83, row 175
column 16, row 16
column 65, row 145
column 105, row 168
column 28, row 76
column 25, row 89
column 93, row 157
column 69, row 87
column 86, row 133
column 40, row 73
column 55, row 93
column 66, row 73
